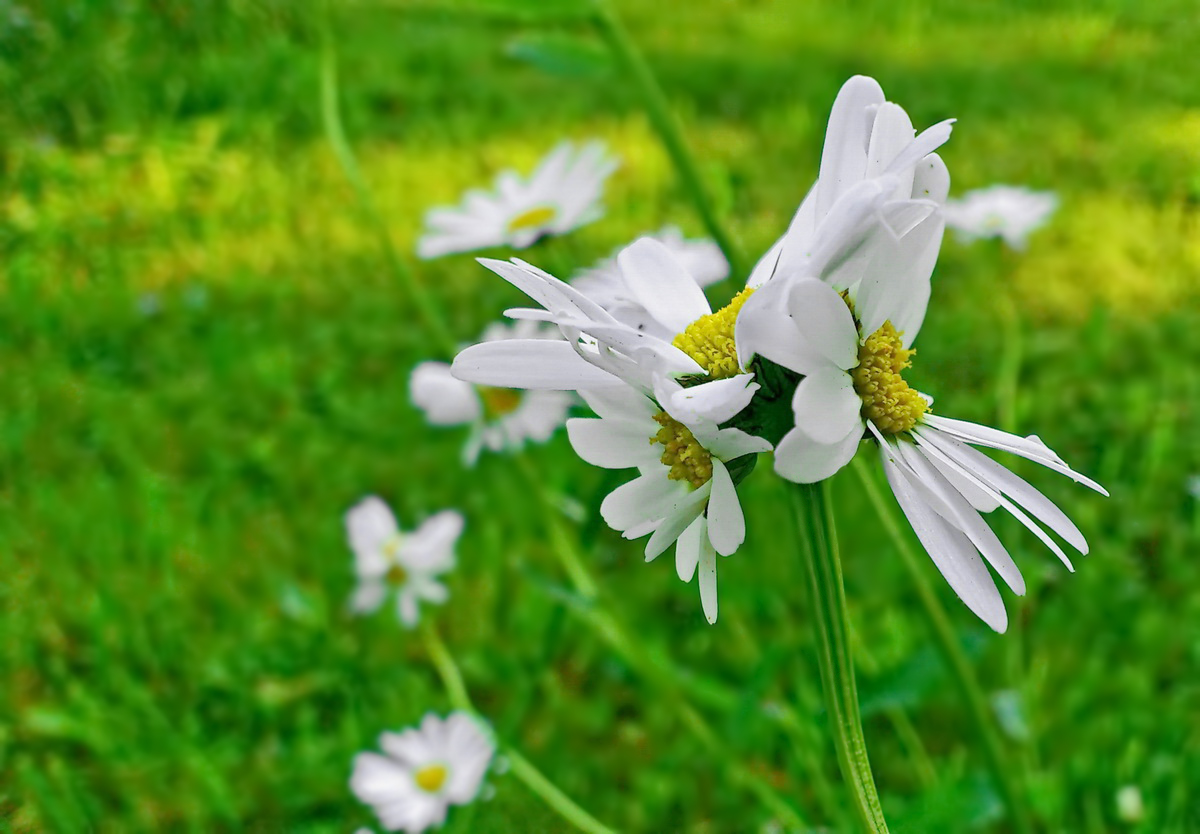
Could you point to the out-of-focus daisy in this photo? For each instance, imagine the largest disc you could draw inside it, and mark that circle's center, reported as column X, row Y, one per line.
column 605, row 282
column 685, row 493
column 388, row 560
column 501, row 419
column 562, row 194
column 1010, row 212
column 423, row 771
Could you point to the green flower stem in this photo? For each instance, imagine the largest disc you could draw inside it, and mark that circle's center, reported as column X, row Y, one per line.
column 664, row 676
column 427, row 305
column 814, row 516
column 1005, row 776
column 522, row 768
column 667, row 126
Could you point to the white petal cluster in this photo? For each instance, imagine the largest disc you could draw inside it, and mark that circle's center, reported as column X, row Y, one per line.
column 423, row 771
column 605, row 282
column 408, row 565
column 562, row 194
column 1011, row 212
column 501, row 420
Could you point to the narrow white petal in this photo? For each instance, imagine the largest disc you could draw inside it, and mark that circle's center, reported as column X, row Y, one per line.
column 929, row 141
column 844, row 157
column 895, row 283
column 764, row 328
column 529, row 363
column 891, row 133
column 620, row 403
column 726, row 522
column 707, row 579
column 950, row 550
column 647, row 498
column 729, row 444
column 825, row 405
column 445, row 400
column 613, row 444
column 803, row 460
column 931, row 180
column 677, row 521
column 718, row 401
column 824, row 320
column 661, row 284
column 687, row 548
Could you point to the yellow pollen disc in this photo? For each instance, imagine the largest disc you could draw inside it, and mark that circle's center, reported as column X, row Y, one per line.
column 396, row 576
column 709, row 339
column 499, row 401
column 532, row 219
column 888, row 401
column 431, row 777
column 688, row 460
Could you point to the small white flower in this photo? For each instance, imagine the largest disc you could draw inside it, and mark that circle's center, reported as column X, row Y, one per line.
column 424, row 771
column 685, row 493
column 501, row 419
column 562, row 194
column 605, row 282
column 408, row 564
column 1005, row 211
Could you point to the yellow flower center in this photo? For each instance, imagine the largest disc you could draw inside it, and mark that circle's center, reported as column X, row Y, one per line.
column 532, row 218
column 499, row 401
column 888, row 401
column 709, row 339
column 396, row 576
column 687, row 459
column 431, row 777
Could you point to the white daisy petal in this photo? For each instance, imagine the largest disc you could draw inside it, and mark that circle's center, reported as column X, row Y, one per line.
column 803, row 460
column 687, row 548
column 529, row 363
column 726, row 522
column 718, row 401
column 677, row 521
column 368, row 596
column 612, row 444
column 825, row 405
column 707, row 578
column 445, row 400
column 370, row 525
column 891, row 132
column 647, row 498
column 661, row 284
column 844, row 158
column 825, row 321
column 761, row 330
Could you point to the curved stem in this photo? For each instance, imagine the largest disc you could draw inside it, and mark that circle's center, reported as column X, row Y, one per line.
column 427, row 306
column 952, row 653
column 814, row 516
column 522, row 768
column 667, row 126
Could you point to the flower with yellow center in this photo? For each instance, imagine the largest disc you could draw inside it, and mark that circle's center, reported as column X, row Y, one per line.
column 424, row 770
column 407, row 565
column 562, row 194
column 685, row 492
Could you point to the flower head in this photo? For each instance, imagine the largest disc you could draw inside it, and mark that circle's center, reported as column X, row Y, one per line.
column 562, row 194
column 1005, row 211
column 501, row 419
column 388, row 560
column 423, row 771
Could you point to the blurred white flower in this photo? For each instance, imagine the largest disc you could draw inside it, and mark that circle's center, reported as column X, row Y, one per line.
column 424, row 771
column 1010, row 212
column 1130, row 808
column 605, row 282
column 1193, row 486
column 387, row 559
column 501, row 419
column 562, row 194
column 685, row 493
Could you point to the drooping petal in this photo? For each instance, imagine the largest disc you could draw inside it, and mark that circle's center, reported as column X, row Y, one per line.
column 825, row 405
column 895, row 283
column 803, row 460
column 764, row 328
column 529, row 363
column 950, row 550
column 731, row 443
column 718, row 401
column 613, row 444
column 621, row 403
column 661, row 284
column 677, row 521
column 707, row 579
column 726, row 522
column 687, row 548
column 647, row 498
column 824, row 320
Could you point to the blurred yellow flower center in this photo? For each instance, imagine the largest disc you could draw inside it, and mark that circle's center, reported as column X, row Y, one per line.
column 888, row 401
column 499, row 401
column 431, row 777
column 396, row 576
column 687, row 459
column 709, row 339
column 532, row 218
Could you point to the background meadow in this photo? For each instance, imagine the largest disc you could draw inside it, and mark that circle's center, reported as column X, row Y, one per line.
column 204, row 360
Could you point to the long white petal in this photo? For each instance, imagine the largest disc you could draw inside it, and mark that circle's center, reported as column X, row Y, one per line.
column 661, row 284
column 891, row 132
column 726, row 522
column 707, row 579
column 844, row 157
column 529, row 363
column 825, row 405
column 679, row 520
column 612, row 444
column 718, row 401
column 648, row 498
column 823, row 318
column 764, row 328
column 687, row 548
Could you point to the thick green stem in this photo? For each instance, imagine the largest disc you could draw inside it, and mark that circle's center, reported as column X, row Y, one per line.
column 944, row 637
column 814, row 516
column 667, row 126
column 427, row 306
column 522, row 768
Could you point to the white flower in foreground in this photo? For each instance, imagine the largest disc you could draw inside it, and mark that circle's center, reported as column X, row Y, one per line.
column 685, row 493
column 605, row 282
column 424, row 771
column 408, row 564
column 562, row 194
column 1005, row 211
column 501, row 419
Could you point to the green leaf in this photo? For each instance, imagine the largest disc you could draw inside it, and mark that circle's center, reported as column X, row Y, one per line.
column 565, row 56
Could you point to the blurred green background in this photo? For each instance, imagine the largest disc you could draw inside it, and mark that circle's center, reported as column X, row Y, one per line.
column 204, row 360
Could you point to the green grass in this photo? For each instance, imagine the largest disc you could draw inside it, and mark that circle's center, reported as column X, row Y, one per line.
column 203, row 363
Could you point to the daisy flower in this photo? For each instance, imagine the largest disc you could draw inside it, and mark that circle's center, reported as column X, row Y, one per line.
column 1005, row 211
column 562, row 194
column 500, row 419
column 408, row 564
column 685, row 493
column 605, row 282
column 423, row 771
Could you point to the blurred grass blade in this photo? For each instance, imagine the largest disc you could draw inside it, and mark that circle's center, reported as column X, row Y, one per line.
column 562, row 55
